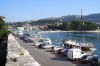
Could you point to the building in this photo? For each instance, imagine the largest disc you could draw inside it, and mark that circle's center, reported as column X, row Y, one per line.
column 2, row 17
column 20, row 30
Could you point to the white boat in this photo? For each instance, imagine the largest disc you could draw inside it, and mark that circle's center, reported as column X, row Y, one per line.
column 42, row 40
column 82, row 46
column 47, row 41
column 20, row 30
column 33, row 36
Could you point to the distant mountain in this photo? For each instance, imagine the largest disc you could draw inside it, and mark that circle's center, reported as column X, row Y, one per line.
column 90, row 17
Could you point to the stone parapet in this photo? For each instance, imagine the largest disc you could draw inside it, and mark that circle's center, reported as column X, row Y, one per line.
column 17, row 55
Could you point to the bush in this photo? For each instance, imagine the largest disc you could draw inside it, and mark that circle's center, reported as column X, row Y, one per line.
column 9, row 31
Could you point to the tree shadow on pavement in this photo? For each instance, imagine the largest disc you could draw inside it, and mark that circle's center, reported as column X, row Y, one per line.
column 32, row 45
column 58, row 59
column 47, row 50
column 77, row 63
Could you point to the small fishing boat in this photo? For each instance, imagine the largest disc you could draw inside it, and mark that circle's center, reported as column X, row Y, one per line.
column 43, row 40
column 82, row 46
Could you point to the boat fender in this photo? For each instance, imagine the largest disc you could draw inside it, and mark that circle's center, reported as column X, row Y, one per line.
column 91, row 45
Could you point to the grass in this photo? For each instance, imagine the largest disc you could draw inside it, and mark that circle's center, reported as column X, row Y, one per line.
column 21, row 53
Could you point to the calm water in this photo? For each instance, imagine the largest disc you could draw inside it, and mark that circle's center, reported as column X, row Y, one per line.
column 83, row 37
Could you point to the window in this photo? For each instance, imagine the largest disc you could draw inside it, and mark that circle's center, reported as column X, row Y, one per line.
column 89, row 57
column 82, row 52
column 95, row 59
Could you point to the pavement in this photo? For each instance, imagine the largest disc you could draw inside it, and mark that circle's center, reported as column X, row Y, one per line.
column 47, row 58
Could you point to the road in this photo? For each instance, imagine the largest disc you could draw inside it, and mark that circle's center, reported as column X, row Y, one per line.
column 47, row 58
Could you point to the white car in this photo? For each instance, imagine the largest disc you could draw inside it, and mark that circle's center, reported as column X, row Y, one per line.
column 38, row 43
column 56, row 48
column 48, row 46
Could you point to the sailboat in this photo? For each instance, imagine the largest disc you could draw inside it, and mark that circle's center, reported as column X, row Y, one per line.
column 83, row 46
column 68, row 41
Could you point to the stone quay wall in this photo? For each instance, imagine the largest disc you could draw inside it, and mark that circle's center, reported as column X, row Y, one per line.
column 17, row 55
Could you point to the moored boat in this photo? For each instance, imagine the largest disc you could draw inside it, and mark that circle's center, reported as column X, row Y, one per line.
column 82, row 46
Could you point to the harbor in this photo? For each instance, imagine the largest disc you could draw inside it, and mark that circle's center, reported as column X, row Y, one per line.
column 50, row 33
column 45, row 57
column 87, row 37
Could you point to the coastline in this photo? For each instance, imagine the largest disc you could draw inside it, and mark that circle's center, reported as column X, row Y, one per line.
column 95, row 31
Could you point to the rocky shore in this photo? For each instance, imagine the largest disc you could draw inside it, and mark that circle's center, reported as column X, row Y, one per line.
column 17, row 55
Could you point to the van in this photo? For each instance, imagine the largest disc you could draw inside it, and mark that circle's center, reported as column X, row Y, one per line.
column 75, row 53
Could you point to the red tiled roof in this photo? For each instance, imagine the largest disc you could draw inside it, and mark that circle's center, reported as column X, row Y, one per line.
column 2, row 17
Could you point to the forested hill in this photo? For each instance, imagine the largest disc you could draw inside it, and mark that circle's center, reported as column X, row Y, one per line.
column 90, row 17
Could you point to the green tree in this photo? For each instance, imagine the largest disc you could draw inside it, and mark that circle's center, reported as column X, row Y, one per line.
column 3, row 28
column 89, row 26
column 75, row 24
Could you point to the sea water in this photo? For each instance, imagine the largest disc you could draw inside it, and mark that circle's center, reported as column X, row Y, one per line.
column 86, row 37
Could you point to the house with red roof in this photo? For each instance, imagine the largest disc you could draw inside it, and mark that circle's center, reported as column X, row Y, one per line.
column 2, row 17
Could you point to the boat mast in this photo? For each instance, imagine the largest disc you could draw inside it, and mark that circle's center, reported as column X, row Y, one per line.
column 67, row 26
column 80, row 27
column 68, row 17
column 81, row 14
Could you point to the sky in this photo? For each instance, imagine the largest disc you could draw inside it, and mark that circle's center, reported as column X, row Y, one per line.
column 22, row 10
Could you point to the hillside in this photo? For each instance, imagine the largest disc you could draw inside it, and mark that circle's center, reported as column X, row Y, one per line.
column 90, row 17
column 52, row 20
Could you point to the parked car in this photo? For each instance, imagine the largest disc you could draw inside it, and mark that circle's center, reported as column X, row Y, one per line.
column 95, row 61
column 55, row 48
column 18, row 35
column 85, row 58
column 59, row 51
column 25, row 38
column 41, row 45
column 64, row 53
column 22, row 37
column 28, row 40
column 47, row 46
column 37, row 43
column 64, row 49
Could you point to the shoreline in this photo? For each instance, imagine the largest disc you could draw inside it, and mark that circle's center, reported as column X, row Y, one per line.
column 67, row 31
